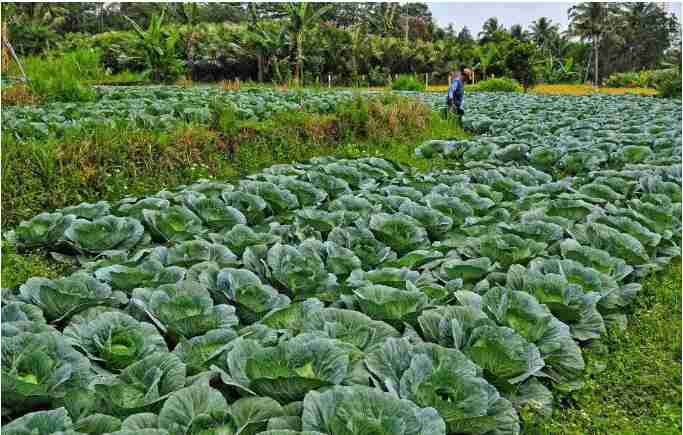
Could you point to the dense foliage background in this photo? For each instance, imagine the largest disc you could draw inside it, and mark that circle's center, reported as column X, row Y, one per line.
column 353, row 43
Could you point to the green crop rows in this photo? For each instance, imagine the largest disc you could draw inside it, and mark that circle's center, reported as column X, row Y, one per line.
column 353, row 296
column 160, row 107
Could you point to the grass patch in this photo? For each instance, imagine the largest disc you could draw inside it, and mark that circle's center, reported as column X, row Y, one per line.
column 62, row 76
column 639, row 391
column 501, row 84
column 18, row 267
column 407, row 83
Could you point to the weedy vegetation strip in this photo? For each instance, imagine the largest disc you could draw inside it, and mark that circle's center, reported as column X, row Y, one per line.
column 353, row 296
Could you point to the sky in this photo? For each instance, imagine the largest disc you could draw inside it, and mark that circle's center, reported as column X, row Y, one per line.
column 473, row 14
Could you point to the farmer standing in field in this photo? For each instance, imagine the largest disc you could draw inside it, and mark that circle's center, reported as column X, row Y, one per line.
column 456, row 91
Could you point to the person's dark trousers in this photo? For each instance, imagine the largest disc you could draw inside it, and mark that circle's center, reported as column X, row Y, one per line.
column 455, row 114
column 459, row 113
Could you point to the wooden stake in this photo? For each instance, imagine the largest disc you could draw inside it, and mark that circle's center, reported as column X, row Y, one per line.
column 15, row 57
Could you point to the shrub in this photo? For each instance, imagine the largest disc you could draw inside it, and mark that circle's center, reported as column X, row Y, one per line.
column 668, row 84
column 624, row 80
column 60, row 77
column 32, row 38
column 640, row 79
column 407, row 83
column 120, row 51
column 377, row 76
column 496, row 85
column 520, row 63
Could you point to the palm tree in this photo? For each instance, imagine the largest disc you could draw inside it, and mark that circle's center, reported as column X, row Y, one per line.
column 518, row 33
column 490, row 30
column 559, row 45
column 543, row 31
column 637, row 34
column 302, row 19
column 382, row 17
column 465, row 37
column 589, row 21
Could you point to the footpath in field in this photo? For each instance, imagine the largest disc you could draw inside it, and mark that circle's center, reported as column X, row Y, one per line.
column 352, row 296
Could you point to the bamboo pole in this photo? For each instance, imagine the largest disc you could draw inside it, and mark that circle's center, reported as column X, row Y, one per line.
column 6, row 44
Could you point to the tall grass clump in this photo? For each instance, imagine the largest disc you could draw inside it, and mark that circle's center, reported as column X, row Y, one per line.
column 496, row 85
column 630, row 79
column 407, row 83
column 63, row 76
column 668, row 84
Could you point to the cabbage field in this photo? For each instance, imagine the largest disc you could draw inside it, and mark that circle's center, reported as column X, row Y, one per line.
column 160, row 107
column 351, row 296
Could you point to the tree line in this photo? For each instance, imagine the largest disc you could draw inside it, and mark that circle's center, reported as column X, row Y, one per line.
column 353, row 42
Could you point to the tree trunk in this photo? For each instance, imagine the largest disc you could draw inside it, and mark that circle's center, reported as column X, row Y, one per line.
column 276, row 70
column 259, row 63
column 300, row 59
column 354, row 69
column 596, row 50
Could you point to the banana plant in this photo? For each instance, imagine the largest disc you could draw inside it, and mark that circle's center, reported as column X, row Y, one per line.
column 302, row 19
column 567, row 68
column 267, row 41
column 555, row 71
column 486, row 55
column 159, row 46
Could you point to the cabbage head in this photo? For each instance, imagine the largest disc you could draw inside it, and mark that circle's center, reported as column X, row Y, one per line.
column 185, row 309
column 114, row 340
column 445, row 379
column 400, row 232
column 38, row 368
column 289, row 370
column 61, row 298
column 360, row 410
column 104, row 234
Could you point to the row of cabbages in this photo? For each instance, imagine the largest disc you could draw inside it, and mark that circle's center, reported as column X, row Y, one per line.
column 332, row 296
column 572, row 135
column 161, row 108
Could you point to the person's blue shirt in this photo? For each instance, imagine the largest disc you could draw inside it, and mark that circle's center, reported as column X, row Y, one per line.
column 456, row 91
